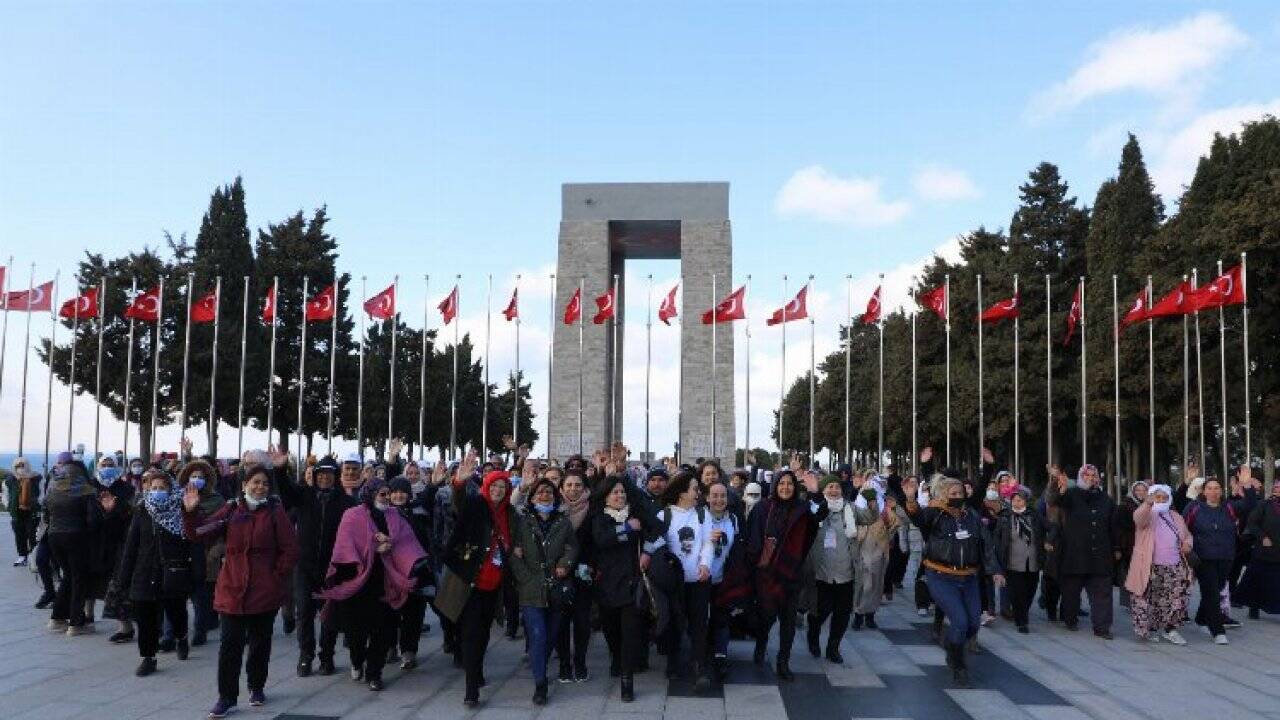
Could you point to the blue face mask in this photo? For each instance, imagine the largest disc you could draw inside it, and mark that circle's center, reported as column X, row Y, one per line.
column 108, row 475
column 197, row 481
column 158, row 497
column 545, row 509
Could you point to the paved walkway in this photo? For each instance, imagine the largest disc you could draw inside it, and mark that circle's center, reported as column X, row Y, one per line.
column 893, row 672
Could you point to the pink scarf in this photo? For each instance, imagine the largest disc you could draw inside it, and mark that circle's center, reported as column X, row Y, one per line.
column 355, row 544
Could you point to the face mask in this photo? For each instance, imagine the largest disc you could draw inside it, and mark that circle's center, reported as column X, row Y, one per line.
column 992, row 495
column 380, row 505
column 1162, row 507
column 108, row 475
column 253, row 502
column 835, row 505
column 135, row 469
column 955, row 503
column 545, row 509
column 157, row 497
column 197, row 481
column 1018, row 511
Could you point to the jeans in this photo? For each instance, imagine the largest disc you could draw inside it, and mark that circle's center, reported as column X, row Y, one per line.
column 834, row 600
column 540, row 626
column 1212, row 577
column 1099, row 589
column 239, row 631
column 1020, row 591
column 959, row 599
column 147, row 614
column 718, row 628
column 575, row 627
column 70, row 554
column 473, row 633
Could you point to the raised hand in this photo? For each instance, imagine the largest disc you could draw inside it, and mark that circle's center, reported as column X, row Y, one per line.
column 987, row 456
column 468, row 466
column 810, row 479
column 794, row 463
column 528, row 473
column 508, row 442
column 438, row 472
column 926, row 454
column 279, row 458
column 393, row 447
column 190, row 498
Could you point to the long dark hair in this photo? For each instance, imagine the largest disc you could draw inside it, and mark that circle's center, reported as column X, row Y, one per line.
column 678, row 486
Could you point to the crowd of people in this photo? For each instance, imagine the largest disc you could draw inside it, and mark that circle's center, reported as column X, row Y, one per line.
column 671, row 559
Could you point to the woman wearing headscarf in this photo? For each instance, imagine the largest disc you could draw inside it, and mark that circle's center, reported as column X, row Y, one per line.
column 116, row 497
column 1123, row 532
column 477, row 552
column 575, row 625
column 376, row 563
column 1086, row 560
column 261, row 550
column 956, row 549
column 155, row 566
column 1019, row 543
column 618, row 534
column 834, row 557
column 413, row 613
column 779, row 533
column 1159, row 578
column 545, row 550
column 878, row 523
column 1259, row 590
column 74, row 518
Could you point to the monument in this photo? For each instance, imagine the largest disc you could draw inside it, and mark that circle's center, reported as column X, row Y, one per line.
column 602, row 225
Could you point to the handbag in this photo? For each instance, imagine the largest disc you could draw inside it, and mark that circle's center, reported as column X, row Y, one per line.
column 770, row 544
column 452, row 594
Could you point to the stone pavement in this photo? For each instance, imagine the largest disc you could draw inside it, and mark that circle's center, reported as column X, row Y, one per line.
column 893, row 672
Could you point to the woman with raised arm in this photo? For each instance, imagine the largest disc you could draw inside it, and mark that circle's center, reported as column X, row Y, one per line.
column 1159, row 577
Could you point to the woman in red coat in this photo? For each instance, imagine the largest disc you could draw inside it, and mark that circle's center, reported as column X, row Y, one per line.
column 261, row 550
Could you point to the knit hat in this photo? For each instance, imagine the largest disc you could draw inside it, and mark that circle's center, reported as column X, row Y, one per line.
column 64, row 457
column 827, row 480
column 1023, row 492
column 326, row 464
column 370, row 489
column 400, row 484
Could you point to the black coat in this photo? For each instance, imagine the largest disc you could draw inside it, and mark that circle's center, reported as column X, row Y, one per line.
column 616, row 555
column 1084, row 542
column 1003, row 537
column 1264, row 522
column 472, row 536
column 318, row 515
column 147, row 548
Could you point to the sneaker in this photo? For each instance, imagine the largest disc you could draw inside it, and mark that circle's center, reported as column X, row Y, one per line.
column 1174, row 637
column 222, row 708
column 581, row 675
column 257, row 698
column 566, row 674
column 304, row 668
column 58, row 626
column 20, row 562
column 987, row 618
column 121, row 637
column 78, row 630
column 1221, row 640
column 408, row 661
column 1231, row 624
column 922, row 612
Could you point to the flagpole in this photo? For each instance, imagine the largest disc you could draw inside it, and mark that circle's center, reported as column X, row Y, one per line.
column 1186, row 393
column 582, row 281
column 271, row 371
column 782, row 385
column 981, row 417
column 915, row 458
column 1151, row 386
column 244, row 345
column 515, row 386
column 97, row 410
column 1115, row 353
column 26, row 352
column 71, row 398
column 1195, row 283
column 422, row 371
column 551, row 357
column 880, row 322
column 484, row 413
column 364, row 293
column 213, row 367
column 648, row 360
column 394, row 321
column 1017, row 410
column 186, row 355
column 1222, row 368
column 128, row 376
column 333, row 364
column 746, row 447
column 48, row 402
column 1084, row 406
column 453, row 399
column 4, row 333
column 615, row 436
column 848, row 359
column 948, row 294
column 302, row 377
column 812, row 384
column 1048, row 367
column 155, row 367
column 1248, row 400
column 715, row 321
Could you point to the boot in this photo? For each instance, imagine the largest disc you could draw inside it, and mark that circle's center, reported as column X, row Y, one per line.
column 871, row 622
column 956, row 661
column 540, row 693
column 857, row 621
column 833, row 654
column 783, row 669
column 146, row 667
column 758, row 656
column 326, row 666
column 304, row 668
column 184, row 649
column 815, row 646
column 628, row 688
column 700, row 681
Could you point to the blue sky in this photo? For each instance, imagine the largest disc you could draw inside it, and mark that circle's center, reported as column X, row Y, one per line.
column 438, row 135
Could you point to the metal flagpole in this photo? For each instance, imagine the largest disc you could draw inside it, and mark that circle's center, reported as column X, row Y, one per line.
column 982, row 442
column 71, row 397
column 271, row 371
column 1084, row 406
column 244, row 345
column 302, row 377
column 915, row 457
column 648, row 361
column 582, row 281
column 97, row 410
column 394, row 321
column 614, row 435
column 156, row 349
column 213, row 367
column 948, row 294
column 4, row 333
column 782, row 384
column 1017, row 413
column 714, row 323
column 186, row 354
column 1048, row 367
column 812, row 384
column 1151, row 387
column 746, row 447
column 880, row 322
column 515, row 385
column 422, row 370
column 1195, row 283
column 1248, row 400
column 1222, row 368
column 848, row 359
column 453, row 398
column 484, row 413
column 1115, row 353
column 333, row 364
column 48, row 402
column 128, row 376
column 1186, row 393
column 364, row 292
column 551, row 337
column 26, row 352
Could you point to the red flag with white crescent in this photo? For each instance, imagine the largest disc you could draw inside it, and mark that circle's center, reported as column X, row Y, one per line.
column 1226, row 289
column 145, row 307
column 383, row 305
column 82, row 307
column 1003, row 310
column 321, row 307
column 573, row 311
column 1137, row 310
column 604, row 307
column 449, row 306
column 935, row 300
column 269, row 307
column 1073, row 315
column 667, row 309
column 37, row 299
column 1173, row 304
column 205, row 309
column 733, row 307
column 796, row 309
column 872, row 315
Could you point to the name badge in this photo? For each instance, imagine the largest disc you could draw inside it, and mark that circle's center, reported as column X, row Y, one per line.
column 497, row 558
column 962, row 534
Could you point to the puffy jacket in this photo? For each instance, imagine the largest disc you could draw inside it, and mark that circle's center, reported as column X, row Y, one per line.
column 147, row 548
column 543, row 546
column 318, row 514
column 1213, row 529
column 261, row 550
column 955, row 544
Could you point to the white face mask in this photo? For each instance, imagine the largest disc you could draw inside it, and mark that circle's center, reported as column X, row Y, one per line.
column 1162, row 507
column 835, row 505
column 252, row 501
column 381, row 505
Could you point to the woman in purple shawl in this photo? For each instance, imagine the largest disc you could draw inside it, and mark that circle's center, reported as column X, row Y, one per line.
column 377, row 561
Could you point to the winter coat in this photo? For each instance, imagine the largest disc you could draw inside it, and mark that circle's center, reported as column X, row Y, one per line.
column 147, row 549
column 318, row 514
column 617, row 556
column 13, row 490
column 543, row 546
column 1123, row 531
column 72, row 511
column 1003, row 536
column 1264, row 524
column 471, row 538
column 1144, row 547
column 354, row 554
column 261, row 551
column 1085, row 545
column 954, row 544
column 1213, row 529
column 206, row 560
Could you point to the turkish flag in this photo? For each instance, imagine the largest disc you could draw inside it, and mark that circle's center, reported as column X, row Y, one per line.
column 383, row 305
column 145, row 307
column 733, row 307
column 448, row 307
column 1003, row 310
column 513, row 306
column 1074, row 315
column 205, row 309
column 1173, row 304
column 797, row 309
column 872, row 314
column 84, row 306
column 667, row 309
column 321, row 307
column 1226, row 289
column 935, row 300
column 269, row 307
column 1137, row 310
column 604, row 307
column 573, row 311
column 37, row 299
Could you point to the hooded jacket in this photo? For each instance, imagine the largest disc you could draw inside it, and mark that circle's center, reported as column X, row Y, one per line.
column 261, row 550
column 318, row 514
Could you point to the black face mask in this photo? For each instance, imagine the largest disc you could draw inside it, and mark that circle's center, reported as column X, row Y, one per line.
column 955, row 503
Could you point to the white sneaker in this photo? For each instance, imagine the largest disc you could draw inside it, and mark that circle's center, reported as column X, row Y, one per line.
column 923, row 612
column 1221, row 640
column 1175, row 637
column 1153, row 638
column 987, row 619
column 57, row 626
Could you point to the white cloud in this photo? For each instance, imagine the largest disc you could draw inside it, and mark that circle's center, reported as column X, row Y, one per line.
column 816, row 193
column 1169, row 62
column 1177, row 156
column 942, row 184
